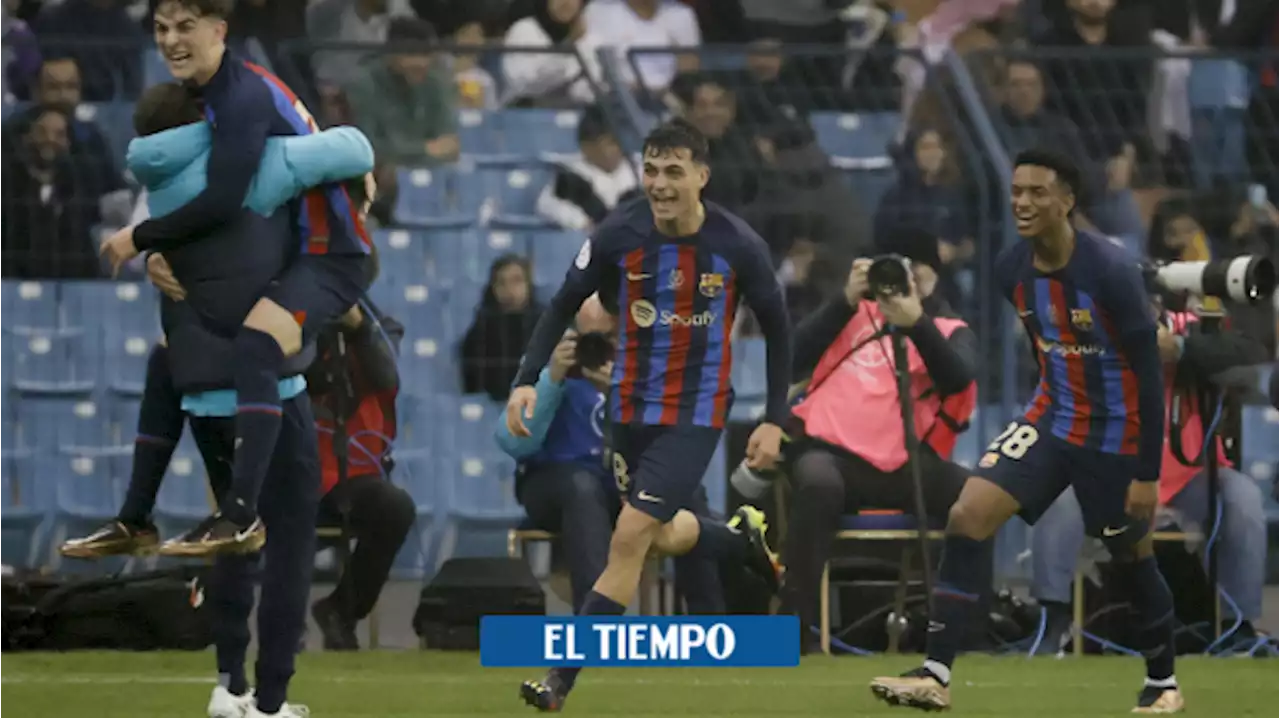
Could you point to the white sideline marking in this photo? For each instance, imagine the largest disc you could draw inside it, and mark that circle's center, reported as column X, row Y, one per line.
column 608, row 679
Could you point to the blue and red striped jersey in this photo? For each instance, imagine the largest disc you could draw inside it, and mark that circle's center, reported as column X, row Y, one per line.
column 245, row 104
column 1093, row 333
column 676, row 299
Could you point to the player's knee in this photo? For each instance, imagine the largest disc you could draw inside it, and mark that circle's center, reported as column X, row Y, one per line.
column 274, row 320
column 965, row 518
column 633, row 535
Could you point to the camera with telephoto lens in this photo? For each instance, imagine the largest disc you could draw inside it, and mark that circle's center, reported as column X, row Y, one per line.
column 594, row 350
column 1245, row 279
column 889, row 275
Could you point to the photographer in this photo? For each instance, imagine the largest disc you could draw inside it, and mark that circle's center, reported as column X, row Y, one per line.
column 354, row 377
column 853, row 452
column 561, row 479
column 1191, row 358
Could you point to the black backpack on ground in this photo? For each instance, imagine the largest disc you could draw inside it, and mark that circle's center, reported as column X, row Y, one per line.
column 449, row 610
column 137, row 612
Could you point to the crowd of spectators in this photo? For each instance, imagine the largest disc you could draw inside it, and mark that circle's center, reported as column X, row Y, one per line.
column 1079, row 75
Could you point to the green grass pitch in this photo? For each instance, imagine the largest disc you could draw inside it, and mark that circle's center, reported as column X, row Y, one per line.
column 413, row 683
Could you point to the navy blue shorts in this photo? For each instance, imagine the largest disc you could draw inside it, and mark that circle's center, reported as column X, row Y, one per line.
column 318, row 288
column 659, row 468
column 1035, row 467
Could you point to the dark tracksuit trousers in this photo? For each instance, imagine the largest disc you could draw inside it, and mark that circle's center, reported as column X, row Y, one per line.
column 289, row 502
column 380, row 516
column 572, row 501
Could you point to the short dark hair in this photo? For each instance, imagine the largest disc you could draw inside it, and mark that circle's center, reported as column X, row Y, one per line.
column 164, row 107
column 678, row 134
column 593, row 124
column 220, row 9
column 1062, row 166
column 410, row 29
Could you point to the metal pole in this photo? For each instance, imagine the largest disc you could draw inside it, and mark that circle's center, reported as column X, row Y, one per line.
column 902, row 371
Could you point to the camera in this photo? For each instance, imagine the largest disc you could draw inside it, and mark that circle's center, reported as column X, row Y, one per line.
column 594, row 350
column 1246, row 279
column 889, row 275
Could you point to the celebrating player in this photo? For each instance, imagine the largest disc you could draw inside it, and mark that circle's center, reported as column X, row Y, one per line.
column 674, row 268
column 1096, row 423
column 245, row 104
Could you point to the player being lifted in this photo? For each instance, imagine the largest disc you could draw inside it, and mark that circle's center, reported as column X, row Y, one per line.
column 674, row 268
column 1096, row 423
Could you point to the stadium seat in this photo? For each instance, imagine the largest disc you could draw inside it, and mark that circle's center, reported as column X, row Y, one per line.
column 1259, row 452
column 493, row 244
column 116, row 121
column 874, row 526
column 65, row 424
column 63, row 363
column 749, row 377
column 185, row 496
column 427, row 197
column 481, row 477
column 535, row 132
column 479, row 132
column 553, row 252
column 23, row 507
column 30, row 305
column 857, row 135
column 128, row 315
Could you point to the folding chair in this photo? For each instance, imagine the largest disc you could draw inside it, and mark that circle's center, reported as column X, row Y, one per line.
column 874, row 526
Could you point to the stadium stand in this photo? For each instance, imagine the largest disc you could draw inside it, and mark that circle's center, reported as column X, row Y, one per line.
column 71, row 345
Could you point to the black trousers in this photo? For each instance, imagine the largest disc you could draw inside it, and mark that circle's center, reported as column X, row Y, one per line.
column 288, row 504
column 380, row 515
column 575, row 503
column 828, row 483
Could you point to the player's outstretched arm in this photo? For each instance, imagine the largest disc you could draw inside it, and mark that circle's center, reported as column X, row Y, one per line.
column 239, row 138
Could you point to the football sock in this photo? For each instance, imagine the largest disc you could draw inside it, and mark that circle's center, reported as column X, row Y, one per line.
column 1152, row 603
column 235, row 683
column 257, row 376
column 717, row 541
column 594, row 604
column 159, row 429
column 962, row 577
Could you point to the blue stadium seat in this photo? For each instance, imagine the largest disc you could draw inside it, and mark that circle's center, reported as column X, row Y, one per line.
column 23, row 507
column 184, row 496
column 535, row 132
column 62, row 363
column 516, row 191
column 481, row 476
column 748, row 374
column 429, row 197
column 1259, row 449
column 869, row 184
column 859, row 135
column 402, row 257
column 479, row 132
column 52, row 424
column 492, row 245
column 428, row 365
column 89, row 487
column 128, row 314
column 552, row 252
column 451, row 257
column 30, row 305
column 116, row 121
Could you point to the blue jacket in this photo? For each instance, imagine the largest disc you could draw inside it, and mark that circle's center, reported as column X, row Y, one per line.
column 567, row 427
column 172, row 165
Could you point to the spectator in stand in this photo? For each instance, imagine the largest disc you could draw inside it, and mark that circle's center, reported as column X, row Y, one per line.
column 21, row 54
column 773, row 91
column 552, row 78
column 1105, row 94
column 47, row 212
column 624, row 24
column 503, row 323
column 586, row 187
column 354, row 21
column 735, row 161
column 270, row 22
column 58, row 87
column 476, row 87
column 926, row 197
column 404, row 102
column 104, row 41
column 1108, row 204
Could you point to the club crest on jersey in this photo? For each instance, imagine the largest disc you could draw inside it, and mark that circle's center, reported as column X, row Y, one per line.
column 1082, row 319
column 621, row 476
column 711, row 284
column 989, row 459
column 676, row 279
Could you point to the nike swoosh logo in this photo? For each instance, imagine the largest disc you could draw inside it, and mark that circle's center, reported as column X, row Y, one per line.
column 1108, row 531
column 631, row 277
column 242, row 535
column 646, row 496
column 935, row 626
column 1024, row 315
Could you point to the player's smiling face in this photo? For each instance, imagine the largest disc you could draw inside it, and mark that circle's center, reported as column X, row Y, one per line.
column 191, row 45
column 673, row 181
column 1039, row 200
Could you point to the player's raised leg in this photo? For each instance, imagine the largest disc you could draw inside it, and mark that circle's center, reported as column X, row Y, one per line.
column 160, row 421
